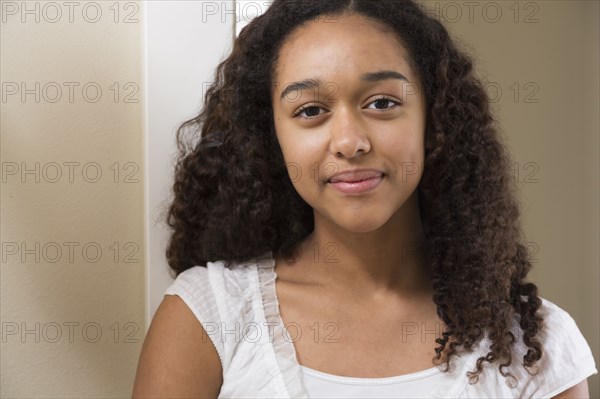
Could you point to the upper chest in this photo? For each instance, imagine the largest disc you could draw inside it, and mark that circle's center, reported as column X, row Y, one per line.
column 373, row 340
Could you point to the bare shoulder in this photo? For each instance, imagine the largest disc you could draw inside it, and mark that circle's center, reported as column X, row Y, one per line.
column 178, row 359
column 580, row 390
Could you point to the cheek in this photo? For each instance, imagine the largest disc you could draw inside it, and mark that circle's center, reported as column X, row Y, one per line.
column 305, row 180
column 303, row 156
column 298, row 161
column 303, row 167
column 406, row 153
column 406, row 144
column 305, row 173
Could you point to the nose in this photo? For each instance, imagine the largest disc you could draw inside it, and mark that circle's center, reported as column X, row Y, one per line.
column 348, row 135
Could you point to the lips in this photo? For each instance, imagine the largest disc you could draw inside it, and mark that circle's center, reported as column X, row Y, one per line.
column 355, row 176
column 356, row 187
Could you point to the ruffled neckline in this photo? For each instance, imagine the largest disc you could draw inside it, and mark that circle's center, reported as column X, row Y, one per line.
column 285, row 352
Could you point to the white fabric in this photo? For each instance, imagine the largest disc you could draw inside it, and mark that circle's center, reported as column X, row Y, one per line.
column 413, row 385
column 238, row 307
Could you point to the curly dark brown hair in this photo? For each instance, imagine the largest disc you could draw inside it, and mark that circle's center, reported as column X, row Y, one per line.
column 233, row 198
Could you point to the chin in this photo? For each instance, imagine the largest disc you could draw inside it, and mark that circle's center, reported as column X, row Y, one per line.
column 363, row 228
column 361, row 224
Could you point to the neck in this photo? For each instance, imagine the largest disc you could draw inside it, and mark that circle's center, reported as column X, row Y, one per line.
column 369, row 266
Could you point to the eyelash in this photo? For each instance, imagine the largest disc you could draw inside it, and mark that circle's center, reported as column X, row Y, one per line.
column 305, row 107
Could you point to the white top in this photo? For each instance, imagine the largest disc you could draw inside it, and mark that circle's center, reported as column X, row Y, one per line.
column 238, row 307
column 413, row 385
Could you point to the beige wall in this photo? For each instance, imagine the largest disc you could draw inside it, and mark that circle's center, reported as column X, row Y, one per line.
column 589, row 312
column 105, row 296
column 559, row 135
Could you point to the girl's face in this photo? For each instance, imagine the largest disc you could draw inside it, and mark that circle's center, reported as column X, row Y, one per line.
column 345, row 98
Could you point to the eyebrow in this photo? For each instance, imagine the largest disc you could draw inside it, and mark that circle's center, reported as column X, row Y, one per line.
column 367, row 77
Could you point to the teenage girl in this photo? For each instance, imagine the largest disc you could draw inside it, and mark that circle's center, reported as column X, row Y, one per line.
column 345, row 225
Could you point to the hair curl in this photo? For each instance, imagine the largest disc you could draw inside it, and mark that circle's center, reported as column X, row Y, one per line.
column 233, row 198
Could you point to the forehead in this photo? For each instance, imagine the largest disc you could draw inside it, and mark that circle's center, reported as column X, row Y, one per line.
column 332, row 46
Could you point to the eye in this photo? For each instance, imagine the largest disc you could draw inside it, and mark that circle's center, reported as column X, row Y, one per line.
column 311, row 108
column 385, row 100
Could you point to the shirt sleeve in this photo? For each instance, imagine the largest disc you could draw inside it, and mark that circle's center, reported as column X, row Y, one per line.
column 194, row 287
column 567, row 358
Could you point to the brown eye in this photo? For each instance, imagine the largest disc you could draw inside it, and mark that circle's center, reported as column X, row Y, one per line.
column 311, row 112
column 383, row 101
